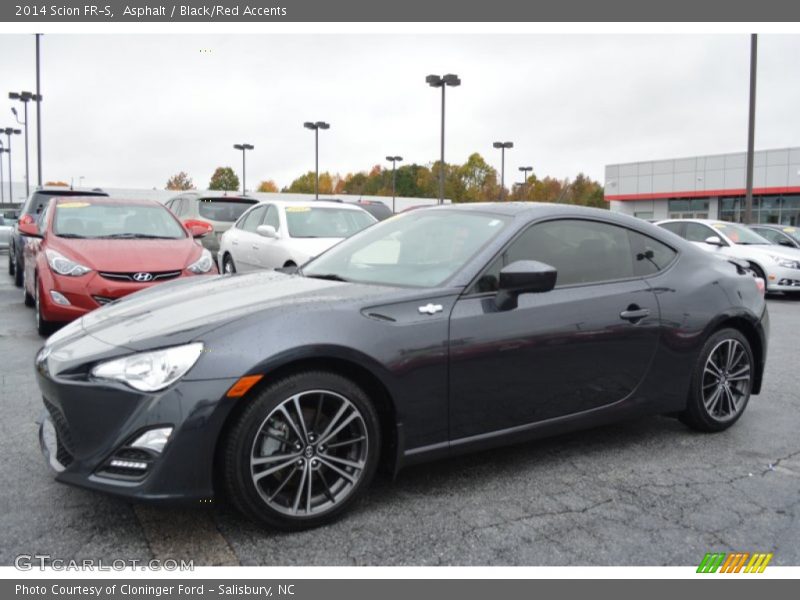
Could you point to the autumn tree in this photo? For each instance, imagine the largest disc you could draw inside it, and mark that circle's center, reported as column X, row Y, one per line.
column 305, row 184
column 224, row 179
column 267, row 186
column 180, row 181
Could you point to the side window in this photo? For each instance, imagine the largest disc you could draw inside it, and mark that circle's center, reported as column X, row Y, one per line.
column 582, row 251
column 773, row 236
column 696, row 232
column 177, row 206
column 272, row 217
column 674, row 227
column 253, row 219
column 650, row 256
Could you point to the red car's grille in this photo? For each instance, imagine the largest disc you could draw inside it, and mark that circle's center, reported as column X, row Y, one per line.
column 141, row 276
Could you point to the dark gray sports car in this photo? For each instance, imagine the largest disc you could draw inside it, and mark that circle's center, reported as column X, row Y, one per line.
column 440, row 331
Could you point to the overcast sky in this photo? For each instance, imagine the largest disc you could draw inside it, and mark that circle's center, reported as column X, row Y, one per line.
column 131, row 110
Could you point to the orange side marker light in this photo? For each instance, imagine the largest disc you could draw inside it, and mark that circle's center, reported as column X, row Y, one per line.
column 243, row 385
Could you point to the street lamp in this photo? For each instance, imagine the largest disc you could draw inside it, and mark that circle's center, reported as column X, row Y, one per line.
column 244, row 148
column 9, row 131
column 2, row 188
column 316, row 127
column 503, row 146
column 437, row 81
column 394, row 160
column 24, row 97
column 525, row 171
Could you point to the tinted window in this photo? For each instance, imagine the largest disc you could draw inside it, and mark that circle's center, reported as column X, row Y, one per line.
column 272, row 217
column 674, row 227
column 650, row 256
column 221, row 209
column 582, row 252
column 253, row 219
column 695, row 232
column 772, row 235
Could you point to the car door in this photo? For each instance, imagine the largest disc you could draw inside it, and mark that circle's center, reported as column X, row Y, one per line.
column 268, row 252
column 247, row 242
column 584, row 345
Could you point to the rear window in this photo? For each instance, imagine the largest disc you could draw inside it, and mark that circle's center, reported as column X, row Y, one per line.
column 220, row 209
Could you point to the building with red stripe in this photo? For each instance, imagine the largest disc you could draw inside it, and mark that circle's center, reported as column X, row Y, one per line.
column 708, row 187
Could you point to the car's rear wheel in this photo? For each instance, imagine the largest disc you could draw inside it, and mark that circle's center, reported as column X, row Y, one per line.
column 43, row 326
column 228, row 266
column 302, row 451
column 721, row 382
column 26, row 297
column 10, row 261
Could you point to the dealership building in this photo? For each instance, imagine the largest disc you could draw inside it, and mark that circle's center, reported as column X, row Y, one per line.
column 708, row 187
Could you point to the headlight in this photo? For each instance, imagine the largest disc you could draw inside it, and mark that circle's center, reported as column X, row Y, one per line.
column 64, row 266
column 785, row 262
column 202, row 264
column 150, row 371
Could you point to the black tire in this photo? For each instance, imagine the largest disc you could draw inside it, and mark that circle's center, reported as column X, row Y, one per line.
column 697, row 414
column 43, row 327
column 241, row 444
column 26, row 297
column 228, row 266
column 758, row 272
column 19, row 270
column 10, row 261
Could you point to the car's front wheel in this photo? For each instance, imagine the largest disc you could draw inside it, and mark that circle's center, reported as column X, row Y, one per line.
column 721, row 382
column 302, row 451
column 19, row 271
column 10, row 261
column 43, row 326
column 228, row 266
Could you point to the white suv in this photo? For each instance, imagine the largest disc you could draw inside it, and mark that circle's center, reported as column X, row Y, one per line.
column 286, row 233
column 778, row 266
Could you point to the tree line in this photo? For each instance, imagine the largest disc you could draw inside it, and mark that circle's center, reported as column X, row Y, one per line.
column 473, row 181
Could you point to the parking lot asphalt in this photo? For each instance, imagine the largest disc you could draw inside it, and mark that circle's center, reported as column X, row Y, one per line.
column 645, row 492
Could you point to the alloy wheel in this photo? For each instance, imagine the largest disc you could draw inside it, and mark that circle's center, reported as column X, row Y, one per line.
column 309, row 453
column 726, row 380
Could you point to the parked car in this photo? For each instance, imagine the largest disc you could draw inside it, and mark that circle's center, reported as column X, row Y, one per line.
column 376, row 208
column 783, row 235
column 434, row 333
column 28, row 214
column 86, row 252
column 777, row 265
column 214, row 211
column 7, row 225
column 288, row 233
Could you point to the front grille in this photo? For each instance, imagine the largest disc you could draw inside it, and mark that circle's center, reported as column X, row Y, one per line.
column 157, row 276
column 64, row 448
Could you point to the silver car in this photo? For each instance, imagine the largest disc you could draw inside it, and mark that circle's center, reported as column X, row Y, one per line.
column 6, row 229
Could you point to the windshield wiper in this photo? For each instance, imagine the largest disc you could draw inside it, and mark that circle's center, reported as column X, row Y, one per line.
column 328, row 276
column 73, row 236
column 145, row 236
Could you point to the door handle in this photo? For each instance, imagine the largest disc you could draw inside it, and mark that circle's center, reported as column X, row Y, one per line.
column 634, row 313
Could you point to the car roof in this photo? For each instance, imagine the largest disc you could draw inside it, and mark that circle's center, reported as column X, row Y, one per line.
column 312, row 203
column 56, row 190
column 106, row 200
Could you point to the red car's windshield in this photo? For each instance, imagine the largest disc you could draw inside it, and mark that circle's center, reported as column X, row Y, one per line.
column 81, row 219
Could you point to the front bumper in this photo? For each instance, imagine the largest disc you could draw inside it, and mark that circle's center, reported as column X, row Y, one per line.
column 781, row 279
column 86, row 424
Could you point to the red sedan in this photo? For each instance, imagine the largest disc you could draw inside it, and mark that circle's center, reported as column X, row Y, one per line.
column 87, row 252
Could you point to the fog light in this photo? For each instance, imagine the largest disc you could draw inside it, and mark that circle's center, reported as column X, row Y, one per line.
column 59, row 298
column 128, row 464
column 153, row 439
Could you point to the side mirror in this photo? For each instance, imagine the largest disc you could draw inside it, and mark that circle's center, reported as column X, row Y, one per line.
column 198, row 229
column 523, row 277
column 268, row 231
column 714, row 240
column 30, row 228
column 785, row 242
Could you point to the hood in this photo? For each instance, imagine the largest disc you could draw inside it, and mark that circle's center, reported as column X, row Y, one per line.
column 184, row 309
column 765, row 249
column 123, row 255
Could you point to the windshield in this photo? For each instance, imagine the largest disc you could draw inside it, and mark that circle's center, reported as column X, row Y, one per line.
column 119, row 220
column 324, row 222
column 417, row 249
column 228, row 211
column 740, row 235
column 792, row 232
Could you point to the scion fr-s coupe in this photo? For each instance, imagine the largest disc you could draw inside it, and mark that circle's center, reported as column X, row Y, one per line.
column 439, row 331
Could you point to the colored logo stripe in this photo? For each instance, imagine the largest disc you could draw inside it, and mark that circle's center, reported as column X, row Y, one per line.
column 711, row 562
column 734, row 562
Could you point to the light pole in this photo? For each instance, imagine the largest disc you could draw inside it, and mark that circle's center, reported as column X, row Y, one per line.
column 751, row 129
column 2, row 187
column 503, row 146
column 394, row 160
column 38, row 115
column 244, row 148
column 9, row 131
column 437, row 81
column 24, row 97
column 316, row 126
column 525, row 171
